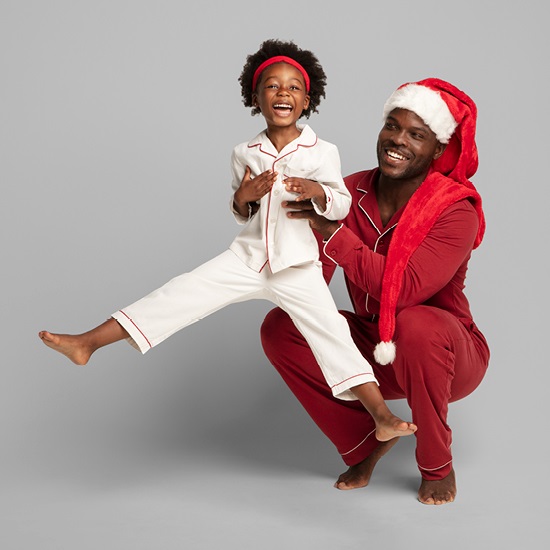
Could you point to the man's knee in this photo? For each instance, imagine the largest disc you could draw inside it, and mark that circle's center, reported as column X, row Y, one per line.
column 275, row 331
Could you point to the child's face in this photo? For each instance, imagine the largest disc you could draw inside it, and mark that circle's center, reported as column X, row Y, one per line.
column 281, row 95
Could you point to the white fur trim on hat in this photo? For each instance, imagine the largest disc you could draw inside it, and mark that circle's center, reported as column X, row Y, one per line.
column 384, row 353
column 428, row 105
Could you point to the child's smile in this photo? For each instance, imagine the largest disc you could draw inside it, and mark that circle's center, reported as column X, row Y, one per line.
column 283, row 109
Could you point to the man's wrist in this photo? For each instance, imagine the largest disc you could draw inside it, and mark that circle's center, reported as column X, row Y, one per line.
column 328, row 230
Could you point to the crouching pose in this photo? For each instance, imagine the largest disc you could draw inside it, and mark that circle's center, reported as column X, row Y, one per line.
column 404, row 248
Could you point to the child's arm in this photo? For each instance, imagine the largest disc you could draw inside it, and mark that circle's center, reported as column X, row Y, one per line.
column 252, row 190
column 246, row 191
column 325, row 185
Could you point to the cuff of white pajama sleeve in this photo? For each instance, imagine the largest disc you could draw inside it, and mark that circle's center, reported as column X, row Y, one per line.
column 340, row 244
column 241, row 220
column 329, row 199
column 342, row 389
column 137, row 339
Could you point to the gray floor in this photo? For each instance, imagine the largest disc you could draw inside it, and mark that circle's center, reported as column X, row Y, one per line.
column 197, row 500
column 135, row 462
column 258, row 497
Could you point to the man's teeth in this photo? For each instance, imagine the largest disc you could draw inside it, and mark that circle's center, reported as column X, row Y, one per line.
column 396, row 156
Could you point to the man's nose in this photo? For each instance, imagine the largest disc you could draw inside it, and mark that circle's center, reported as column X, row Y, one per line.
column 399, row 137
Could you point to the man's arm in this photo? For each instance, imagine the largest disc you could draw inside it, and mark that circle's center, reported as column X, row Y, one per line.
column 430, row 267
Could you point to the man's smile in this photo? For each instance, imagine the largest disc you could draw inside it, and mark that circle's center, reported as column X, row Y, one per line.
column 395, row 155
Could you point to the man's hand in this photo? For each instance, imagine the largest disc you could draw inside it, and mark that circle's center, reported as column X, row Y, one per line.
column 304, row 210
column 252, row 189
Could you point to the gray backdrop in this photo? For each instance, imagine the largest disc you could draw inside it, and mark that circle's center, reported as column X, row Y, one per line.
column 117, row 119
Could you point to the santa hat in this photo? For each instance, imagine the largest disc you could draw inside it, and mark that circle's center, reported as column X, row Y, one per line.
column 451, row 115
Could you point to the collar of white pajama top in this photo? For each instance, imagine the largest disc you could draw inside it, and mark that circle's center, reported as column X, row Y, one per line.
column 269, row 237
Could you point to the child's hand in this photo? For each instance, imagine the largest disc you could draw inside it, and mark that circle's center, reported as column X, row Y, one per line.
column 252, row 190
column 306, row 189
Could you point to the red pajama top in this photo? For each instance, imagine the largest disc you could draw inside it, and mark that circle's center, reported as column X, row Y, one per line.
column 436, row 271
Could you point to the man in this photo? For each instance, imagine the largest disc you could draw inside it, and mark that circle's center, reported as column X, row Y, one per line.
column 404, row 249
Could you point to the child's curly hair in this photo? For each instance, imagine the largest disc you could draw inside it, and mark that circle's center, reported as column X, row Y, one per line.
column 272, row 48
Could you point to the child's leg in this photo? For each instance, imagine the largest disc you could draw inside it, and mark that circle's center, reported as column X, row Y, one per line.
column 179, row 303
column 188, row 298
column 302, row 292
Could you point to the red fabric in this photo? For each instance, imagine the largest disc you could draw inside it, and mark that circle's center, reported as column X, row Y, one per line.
column 435, row 195
column 439, row 360
column 279, row 59
column 435, row 272
column 441, row 355
column 447, row 183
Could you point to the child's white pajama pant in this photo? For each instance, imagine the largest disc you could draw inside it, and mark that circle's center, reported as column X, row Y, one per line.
column 299, row 290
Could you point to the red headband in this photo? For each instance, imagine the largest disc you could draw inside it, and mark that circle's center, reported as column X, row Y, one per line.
column 279, row 59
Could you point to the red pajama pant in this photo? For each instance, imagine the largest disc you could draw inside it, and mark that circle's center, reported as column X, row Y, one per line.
column 439, row 360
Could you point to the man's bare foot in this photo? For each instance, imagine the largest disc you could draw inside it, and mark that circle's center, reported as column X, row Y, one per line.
column 392, row 426
column 437, row 492
column 69, row 345
column 359, row 475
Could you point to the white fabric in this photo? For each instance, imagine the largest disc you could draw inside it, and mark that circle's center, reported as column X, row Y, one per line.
column 269, row 235
column 300, row 290
column 428, row 105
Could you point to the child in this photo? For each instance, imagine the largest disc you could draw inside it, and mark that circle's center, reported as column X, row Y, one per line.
column 274, row 257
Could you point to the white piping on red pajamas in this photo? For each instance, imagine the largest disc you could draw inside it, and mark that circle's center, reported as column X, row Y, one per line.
column 359, row 444
column 433, row 469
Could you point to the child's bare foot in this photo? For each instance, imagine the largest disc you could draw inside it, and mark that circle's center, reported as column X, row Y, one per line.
column 437, row 492
column 392, row 426
column 359, row 475
column 388, row 425
column 69, row 345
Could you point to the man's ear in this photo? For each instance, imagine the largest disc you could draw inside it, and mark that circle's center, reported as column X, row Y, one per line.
column 440, row 149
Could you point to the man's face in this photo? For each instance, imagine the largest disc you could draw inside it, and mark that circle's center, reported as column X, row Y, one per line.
column 406, row 146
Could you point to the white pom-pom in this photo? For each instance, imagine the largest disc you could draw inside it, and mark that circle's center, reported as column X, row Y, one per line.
column 384, row 352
